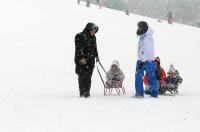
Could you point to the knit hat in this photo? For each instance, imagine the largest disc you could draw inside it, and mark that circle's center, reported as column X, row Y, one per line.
column 172, row 69
column 115, row 62
column 157, row 59
column 142, row 28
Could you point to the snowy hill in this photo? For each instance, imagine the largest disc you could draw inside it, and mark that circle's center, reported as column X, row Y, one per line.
column 39, row 89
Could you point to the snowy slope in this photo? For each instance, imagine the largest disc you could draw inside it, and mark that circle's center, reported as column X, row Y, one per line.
column 39, row 89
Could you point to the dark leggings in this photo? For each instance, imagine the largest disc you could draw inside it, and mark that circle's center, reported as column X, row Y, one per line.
column 85, row 81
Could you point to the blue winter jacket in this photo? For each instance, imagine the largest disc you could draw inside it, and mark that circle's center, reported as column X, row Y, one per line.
column 146, row 46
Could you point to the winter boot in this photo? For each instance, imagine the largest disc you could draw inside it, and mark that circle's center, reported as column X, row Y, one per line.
column 138, row 96
column 81, row 93
column 86, row 94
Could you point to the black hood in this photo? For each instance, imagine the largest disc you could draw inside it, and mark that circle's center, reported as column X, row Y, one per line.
column 90, row 26
column 142, row 28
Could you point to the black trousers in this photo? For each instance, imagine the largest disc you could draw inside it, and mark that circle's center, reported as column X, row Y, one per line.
column 84, row 80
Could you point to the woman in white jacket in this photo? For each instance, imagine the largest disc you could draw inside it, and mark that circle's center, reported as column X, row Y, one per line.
column 145, row 61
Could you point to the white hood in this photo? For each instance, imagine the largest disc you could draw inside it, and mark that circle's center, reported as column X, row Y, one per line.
column 115, row 62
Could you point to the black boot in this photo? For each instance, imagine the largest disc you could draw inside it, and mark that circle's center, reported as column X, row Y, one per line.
column 146, row 92
column 81, row 93
column 86, row 94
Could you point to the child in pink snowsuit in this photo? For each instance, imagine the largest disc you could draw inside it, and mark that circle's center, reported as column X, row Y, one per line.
column 114, row 76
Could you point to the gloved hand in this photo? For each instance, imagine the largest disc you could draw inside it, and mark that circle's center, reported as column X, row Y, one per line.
column 114, row 77
column 97, row 58
column 83, row 61
column 141, row 64
column 118, row 78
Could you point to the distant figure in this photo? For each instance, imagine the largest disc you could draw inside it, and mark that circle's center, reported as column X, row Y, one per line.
column 88, row 3
column 170, row 18
column 78, row 1
column 127, row 11
column 99, row 2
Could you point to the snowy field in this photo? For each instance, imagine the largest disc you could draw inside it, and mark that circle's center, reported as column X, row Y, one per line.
column 39, row 88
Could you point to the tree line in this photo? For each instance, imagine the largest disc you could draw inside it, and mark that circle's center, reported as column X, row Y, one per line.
column 184, row 11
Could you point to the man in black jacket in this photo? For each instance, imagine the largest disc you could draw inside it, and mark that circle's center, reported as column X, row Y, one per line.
column 85, row 54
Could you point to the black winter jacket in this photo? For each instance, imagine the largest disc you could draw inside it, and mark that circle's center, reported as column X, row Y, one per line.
column 85, row 47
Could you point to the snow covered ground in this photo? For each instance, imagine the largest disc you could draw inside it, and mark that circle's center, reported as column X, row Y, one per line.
column 39, row 89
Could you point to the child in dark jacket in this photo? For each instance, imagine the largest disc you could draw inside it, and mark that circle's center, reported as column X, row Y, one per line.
column 172, row 81
column 114, row 76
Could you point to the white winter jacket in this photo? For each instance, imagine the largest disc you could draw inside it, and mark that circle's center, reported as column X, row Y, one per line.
column 146, row 46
